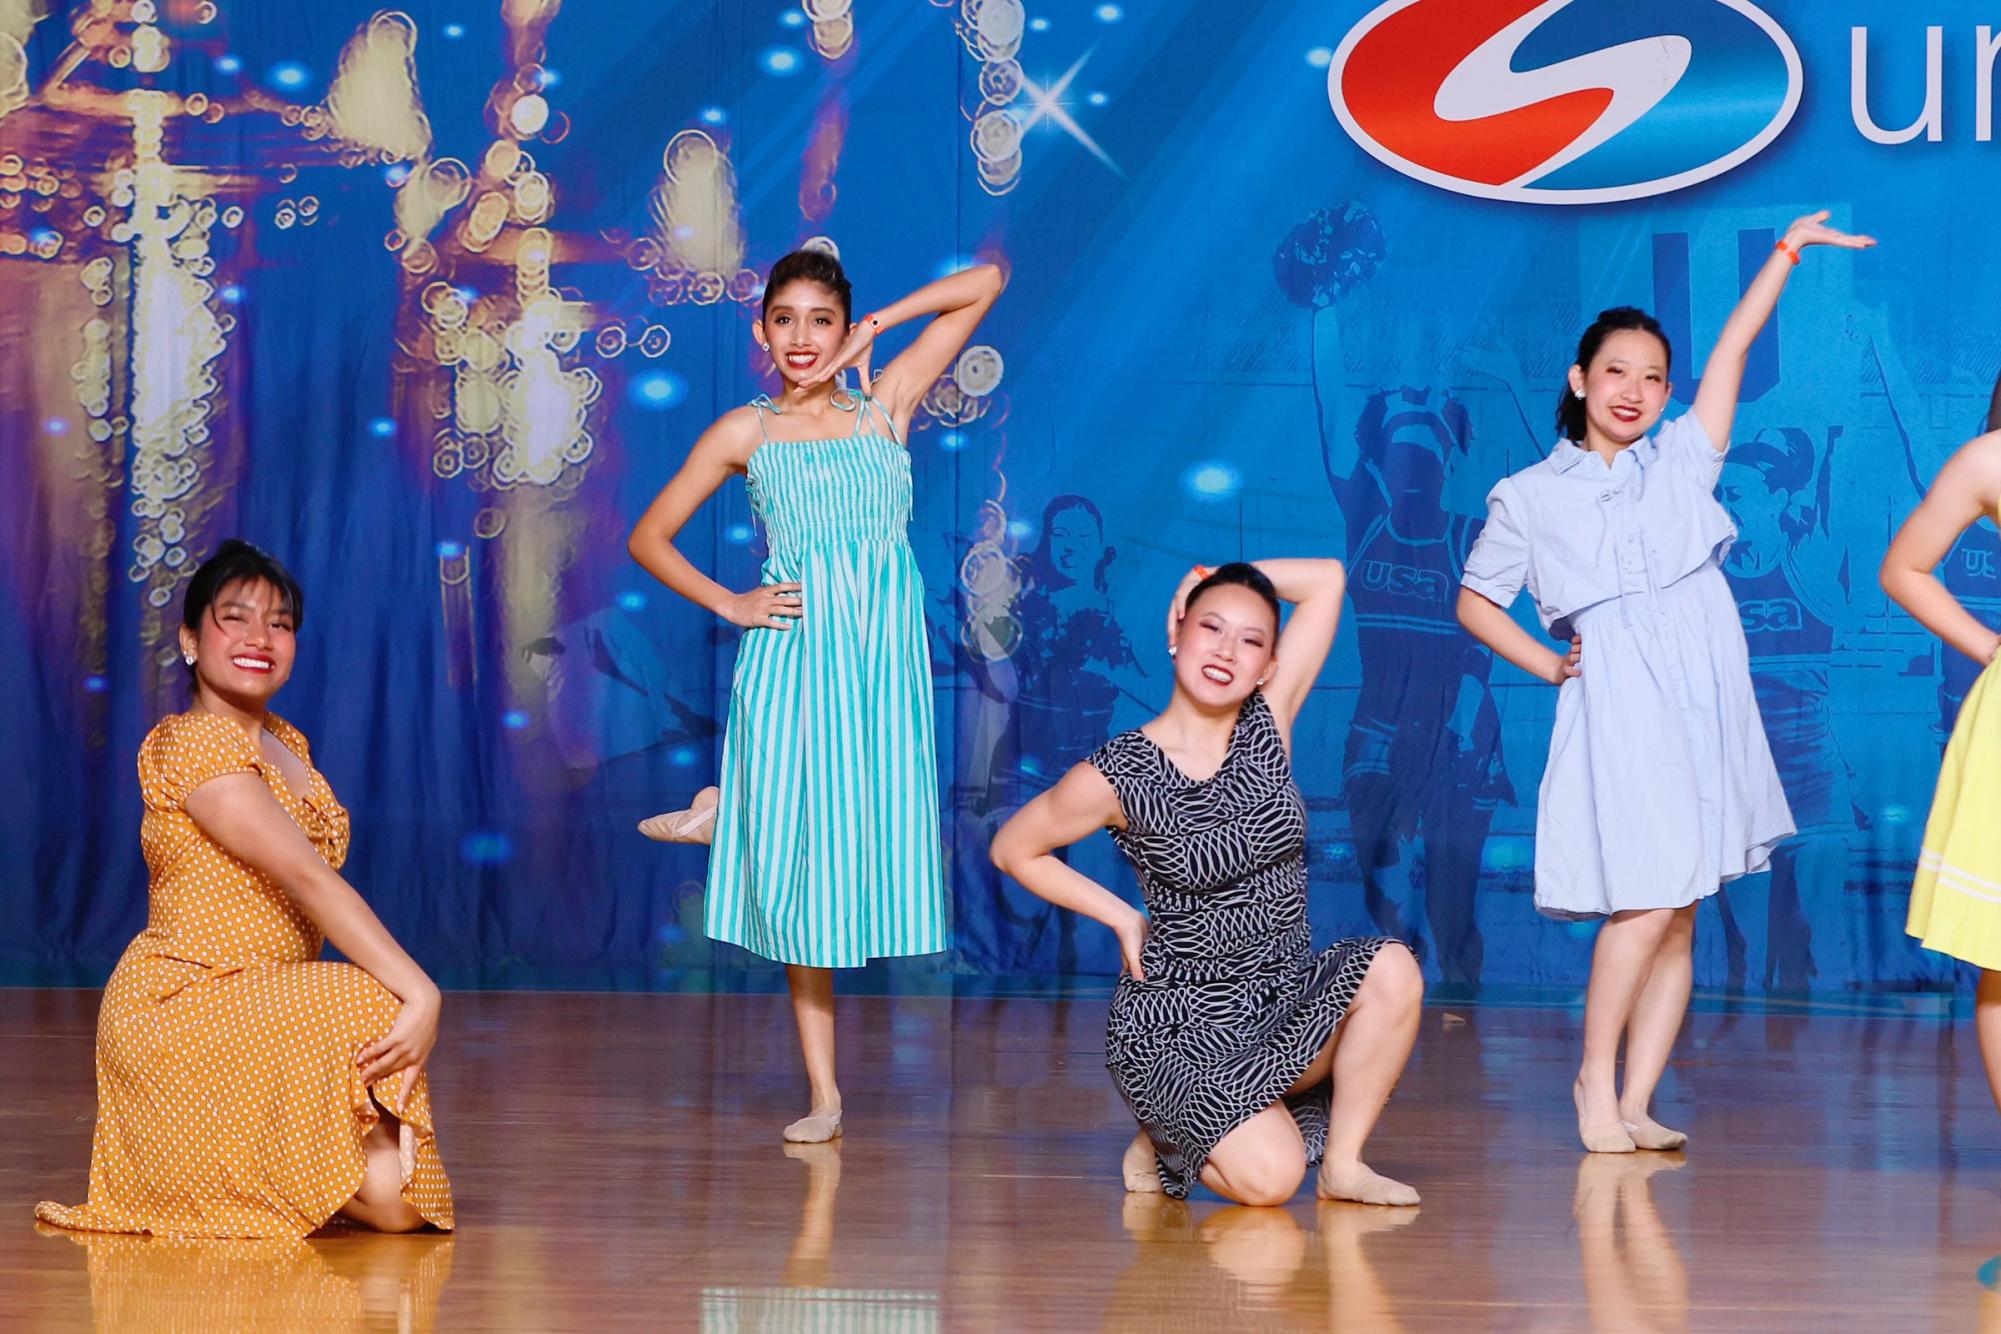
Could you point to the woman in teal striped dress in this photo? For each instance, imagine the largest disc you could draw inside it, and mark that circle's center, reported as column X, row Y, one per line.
column 826, row 851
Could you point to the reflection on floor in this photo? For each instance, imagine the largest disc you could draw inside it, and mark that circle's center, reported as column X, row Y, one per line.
column 618, row 1166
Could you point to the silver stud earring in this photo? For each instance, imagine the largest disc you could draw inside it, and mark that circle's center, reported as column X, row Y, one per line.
column 765, row 346
column 1172, row 649
column 1577, row 393
column 188, row 658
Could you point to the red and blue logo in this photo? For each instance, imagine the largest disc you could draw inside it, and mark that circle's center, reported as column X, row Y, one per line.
column 1565, row 101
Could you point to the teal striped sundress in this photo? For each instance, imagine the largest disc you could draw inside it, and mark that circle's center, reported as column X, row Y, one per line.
column 826, row 848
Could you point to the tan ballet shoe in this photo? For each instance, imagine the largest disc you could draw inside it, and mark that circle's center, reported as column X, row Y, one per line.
column 1141, row 1167
column 696, row 824
column 1651, row 1134
column 817, row 1128
column 1356, row 1182
column 1600, row 1139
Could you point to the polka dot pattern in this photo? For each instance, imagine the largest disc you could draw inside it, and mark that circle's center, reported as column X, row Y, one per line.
column 228, row 1103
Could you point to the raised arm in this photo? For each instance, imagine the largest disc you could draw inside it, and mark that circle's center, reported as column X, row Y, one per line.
column 1489, row 622
column 1080, row 804
column 1723, row 375
column 1967, row 489
column 957, row 303
column 239, row 813
column 723, row 449
column 1314, row 587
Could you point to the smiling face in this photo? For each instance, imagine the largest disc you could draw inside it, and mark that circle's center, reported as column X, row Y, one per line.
column 244, row 646
column 1625, row 387
column 1227, row 645
column 804, row 326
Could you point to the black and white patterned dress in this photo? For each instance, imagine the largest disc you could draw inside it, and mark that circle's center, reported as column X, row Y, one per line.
column 1236, row 1002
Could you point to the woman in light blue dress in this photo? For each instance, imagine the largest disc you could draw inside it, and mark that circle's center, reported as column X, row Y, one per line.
column 1660, row 785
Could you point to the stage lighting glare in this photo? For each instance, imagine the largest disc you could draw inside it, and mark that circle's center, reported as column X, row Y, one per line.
column 1212, row 481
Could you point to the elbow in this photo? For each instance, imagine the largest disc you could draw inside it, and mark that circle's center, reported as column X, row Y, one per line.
column 311, row 893
column 1010, row 852
column 1000, row 852
column 994, row 278
column 635, row 543
column 1894, row 580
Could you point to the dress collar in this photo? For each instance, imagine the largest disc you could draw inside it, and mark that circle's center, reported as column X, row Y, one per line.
column 1568, row 454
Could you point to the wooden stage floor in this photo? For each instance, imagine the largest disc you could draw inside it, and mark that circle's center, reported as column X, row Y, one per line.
column 618, row 1166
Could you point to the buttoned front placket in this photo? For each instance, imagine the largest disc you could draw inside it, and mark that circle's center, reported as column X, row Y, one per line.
column 1639, row 581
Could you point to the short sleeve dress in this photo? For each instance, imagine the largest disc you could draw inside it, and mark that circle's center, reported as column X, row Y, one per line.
column 1660, row 784
column 1236, row 1003
column 228, row 1102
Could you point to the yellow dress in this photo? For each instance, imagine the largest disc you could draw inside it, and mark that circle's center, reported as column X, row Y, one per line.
column 1956, row 899
column 228, row 1100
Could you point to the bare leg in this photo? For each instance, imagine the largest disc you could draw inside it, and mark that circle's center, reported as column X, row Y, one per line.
column 813, row 1009
column 1657, row 1016
column 1369, row 1051
column 1261, row 1162
column 1620, row 963
column 1987, row 1022
column 379, row 1204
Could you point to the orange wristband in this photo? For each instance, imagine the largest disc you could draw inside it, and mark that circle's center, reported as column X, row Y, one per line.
column 1788, row 251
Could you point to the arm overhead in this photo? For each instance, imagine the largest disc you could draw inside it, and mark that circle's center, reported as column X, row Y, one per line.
column 1723, row 375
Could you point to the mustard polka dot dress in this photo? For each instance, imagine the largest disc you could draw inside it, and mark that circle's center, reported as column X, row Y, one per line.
column 228, row 1101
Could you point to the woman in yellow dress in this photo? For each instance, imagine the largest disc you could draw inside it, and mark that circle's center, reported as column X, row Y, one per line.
column 246, row 1088
column 1956, row 899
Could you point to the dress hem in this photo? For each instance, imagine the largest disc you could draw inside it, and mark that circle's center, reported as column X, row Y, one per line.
column 1757, row 860
column 365, row 1121
column 858, row 959
column 1198, row 1159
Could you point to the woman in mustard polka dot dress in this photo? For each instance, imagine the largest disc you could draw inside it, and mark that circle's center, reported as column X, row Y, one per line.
column 245, row 1088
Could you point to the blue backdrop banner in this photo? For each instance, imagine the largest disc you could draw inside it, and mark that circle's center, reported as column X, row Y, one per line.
column 430, row 303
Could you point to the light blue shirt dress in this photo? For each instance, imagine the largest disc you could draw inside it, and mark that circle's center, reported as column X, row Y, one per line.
column 1660, row 784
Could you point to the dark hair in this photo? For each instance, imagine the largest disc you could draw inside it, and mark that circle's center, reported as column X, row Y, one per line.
column 813, row 266
column 1041, row 570
column 1238, row 573
column 234, row 562
column 1569, row 407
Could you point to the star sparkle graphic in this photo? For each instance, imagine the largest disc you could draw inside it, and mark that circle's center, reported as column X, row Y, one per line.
column 1047, row 105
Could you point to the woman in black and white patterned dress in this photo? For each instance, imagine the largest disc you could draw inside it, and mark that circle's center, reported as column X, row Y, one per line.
column 1245, row 1055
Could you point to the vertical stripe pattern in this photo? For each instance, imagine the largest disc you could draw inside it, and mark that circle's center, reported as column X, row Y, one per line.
column 827, row 848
